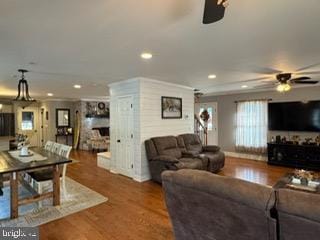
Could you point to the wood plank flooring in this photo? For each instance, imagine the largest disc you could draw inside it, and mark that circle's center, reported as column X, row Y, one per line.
column 134, row 210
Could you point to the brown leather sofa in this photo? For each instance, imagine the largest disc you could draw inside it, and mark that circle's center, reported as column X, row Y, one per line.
column 182, row 152
column 205, row 206
column 216, row 158
column 167, row 153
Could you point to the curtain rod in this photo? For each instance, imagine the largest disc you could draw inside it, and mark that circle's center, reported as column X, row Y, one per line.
column 250, row 100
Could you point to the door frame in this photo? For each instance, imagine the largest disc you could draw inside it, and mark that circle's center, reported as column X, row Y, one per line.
column 129, row 173
column 37, row 121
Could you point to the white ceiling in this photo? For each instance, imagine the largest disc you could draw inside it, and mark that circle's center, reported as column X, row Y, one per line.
column 97, row 42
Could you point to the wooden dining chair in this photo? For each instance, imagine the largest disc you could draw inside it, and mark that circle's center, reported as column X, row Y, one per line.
column 64, row 152
column 43, row 179
column 48, row 146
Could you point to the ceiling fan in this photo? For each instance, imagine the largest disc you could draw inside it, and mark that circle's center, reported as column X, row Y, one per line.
column 285, row 80
column 272, row 78
column 214, row 10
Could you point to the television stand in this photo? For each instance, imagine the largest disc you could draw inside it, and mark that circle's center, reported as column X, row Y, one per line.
column 294, row 155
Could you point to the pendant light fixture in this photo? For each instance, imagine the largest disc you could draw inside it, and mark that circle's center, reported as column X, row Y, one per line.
column 23, row 98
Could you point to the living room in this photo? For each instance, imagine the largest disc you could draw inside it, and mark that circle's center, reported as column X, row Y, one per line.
column 135, row 119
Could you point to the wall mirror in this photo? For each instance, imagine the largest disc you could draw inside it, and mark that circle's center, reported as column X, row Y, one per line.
column 62, row 117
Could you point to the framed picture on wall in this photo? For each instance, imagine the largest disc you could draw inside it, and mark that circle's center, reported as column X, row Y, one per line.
column 171, row 107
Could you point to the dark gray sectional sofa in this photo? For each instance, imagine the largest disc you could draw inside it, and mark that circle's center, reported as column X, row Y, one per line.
column 181, row 152
column 205, row 206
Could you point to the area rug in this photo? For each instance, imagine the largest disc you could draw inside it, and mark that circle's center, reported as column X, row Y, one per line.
column 78, row 198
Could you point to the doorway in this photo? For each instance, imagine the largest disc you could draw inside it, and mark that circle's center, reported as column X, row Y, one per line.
column 28, row 124
column 124, row 144
column 212, row 108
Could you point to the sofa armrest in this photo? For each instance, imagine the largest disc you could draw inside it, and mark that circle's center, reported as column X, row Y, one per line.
column 165, row 158
column 189, row 154
column 211, row 148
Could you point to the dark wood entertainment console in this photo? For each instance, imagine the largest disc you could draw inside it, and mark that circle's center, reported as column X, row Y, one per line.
column 293, row 155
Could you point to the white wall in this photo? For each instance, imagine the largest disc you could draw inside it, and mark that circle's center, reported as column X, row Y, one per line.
column 148, row 123
column 152, row 125
column 49, row 126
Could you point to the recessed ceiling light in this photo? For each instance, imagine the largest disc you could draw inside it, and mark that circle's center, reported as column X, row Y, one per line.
column 50, row 94
column 146, row 55
column 244, row 86
column 212, row 76
column 77, row 86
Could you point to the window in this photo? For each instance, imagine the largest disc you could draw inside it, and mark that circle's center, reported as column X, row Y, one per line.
column 252, row 126
column 27, row 121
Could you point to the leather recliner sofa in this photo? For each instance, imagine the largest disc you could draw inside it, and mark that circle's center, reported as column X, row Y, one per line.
column 171, row 153
column 216, row 158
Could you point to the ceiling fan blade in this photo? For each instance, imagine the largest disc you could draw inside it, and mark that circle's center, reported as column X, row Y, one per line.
column 213, row 12
column 265, row 70
column 300, row 78
column 256, row 79
column 243, row 81
column 266, row 86
column 307, row 67
column 305, row 82
column 308, row 73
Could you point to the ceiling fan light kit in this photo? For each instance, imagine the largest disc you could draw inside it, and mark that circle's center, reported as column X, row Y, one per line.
column 283, row 87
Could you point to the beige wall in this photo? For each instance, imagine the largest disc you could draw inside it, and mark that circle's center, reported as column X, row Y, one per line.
column 49, row 126
column 6, row 108
column 227, row 110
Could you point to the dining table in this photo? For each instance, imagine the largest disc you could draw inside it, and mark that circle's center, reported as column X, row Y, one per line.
column 13, row 166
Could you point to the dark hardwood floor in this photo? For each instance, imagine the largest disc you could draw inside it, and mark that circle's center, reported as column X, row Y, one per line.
column 134, row 210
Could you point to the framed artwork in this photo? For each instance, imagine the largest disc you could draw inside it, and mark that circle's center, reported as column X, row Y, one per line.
column 62, row 117
column 171, row 107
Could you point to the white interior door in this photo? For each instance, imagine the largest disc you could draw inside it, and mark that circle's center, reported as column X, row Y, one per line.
column 28, row 124
column 212, row 108
column 125, row 150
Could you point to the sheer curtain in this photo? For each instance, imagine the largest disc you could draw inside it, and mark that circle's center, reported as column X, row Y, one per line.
column 252, row 126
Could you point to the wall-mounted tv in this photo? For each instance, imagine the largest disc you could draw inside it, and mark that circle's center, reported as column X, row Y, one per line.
column 294, row 116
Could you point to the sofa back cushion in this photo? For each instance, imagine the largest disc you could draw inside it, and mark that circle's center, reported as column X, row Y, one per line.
column 192, row 142
column 298, row 214
column 150, row 149
column 205, row 206
column 167, row 145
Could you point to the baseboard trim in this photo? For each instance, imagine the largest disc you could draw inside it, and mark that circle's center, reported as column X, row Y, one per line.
column 114, row 171
column 141, row 178
column 247, row 156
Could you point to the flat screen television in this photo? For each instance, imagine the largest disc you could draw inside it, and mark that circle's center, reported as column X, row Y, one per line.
column 294, row 116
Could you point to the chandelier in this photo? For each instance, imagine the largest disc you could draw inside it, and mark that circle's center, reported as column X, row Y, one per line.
column 23, row 98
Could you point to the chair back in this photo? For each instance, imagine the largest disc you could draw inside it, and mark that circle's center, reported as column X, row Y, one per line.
column 205, row 206
column 48, row 145
column 56, row 148
column 65, row 152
